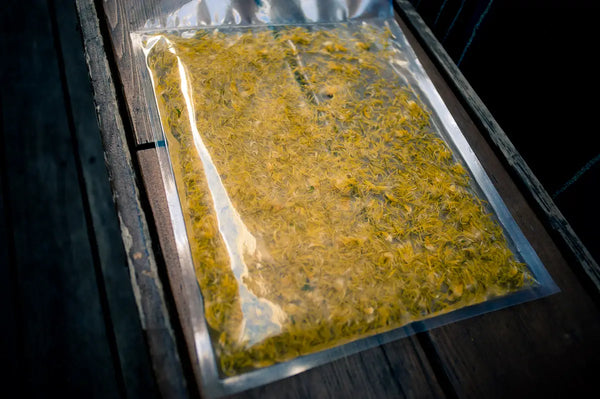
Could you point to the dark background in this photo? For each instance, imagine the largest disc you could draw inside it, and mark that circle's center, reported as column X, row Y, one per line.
column 533, row 63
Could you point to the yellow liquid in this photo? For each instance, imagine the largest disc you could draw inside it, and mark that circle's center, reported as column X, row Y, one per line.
column 344, row 213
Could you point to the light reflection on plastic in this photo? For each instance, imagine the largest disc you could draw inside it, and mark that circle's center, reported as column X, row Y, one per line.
column 310, row 10
column 262, row 318
column 264, row 11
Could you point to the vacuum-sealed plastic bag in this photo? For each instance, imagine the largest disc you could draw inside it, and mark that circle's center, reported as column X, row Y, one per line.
column 327, row 198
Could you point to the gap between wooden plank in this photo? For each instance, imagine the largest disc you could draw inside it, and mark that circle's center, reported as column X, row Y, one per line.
column 87, row 212
column 152, row 299
column 64, row 348
column 116, row 19
column 122, row 320
column 127, row 119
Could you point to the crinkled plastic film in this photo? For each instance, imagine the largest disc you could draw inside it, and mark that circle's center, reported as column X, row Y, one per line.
column 322, row 195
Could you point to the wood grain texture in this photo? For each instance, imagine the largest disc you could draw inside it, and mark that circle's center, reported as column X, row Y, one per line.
column 516, row 163
column 367, row 374
column 153, row 188
column 123, row 319
column 145, row 279
column 63, row 348
column 413, row 371
column 546, row 347
column 121, row 19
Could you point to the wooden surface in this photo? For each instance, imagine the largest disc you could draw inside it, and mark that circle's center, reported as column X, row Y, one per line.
column 118, row 19
column 548, row 347
column 147, row 283
column 70, row 325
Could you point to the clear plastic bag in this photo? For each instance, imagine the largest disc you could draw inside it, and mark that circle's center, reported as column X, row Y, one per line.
column 327, row 198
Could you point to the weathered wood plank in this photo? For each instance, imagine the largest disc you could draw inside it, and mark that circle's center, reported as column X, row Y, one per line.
column 148, row 288
column 477, row 109
column 414, row 370
column 153, row 188
column 549, row 347
column 65, row 350
column 125, row 327
column 363, row 375
column 119, row 19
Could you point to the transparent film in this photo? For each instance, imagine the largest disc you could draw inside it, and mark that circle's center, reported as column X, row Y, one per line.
column 320, row 189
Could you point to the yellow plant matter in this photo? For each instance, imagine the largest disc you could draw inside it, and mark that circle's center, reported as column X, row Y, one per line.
column 351, row 214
